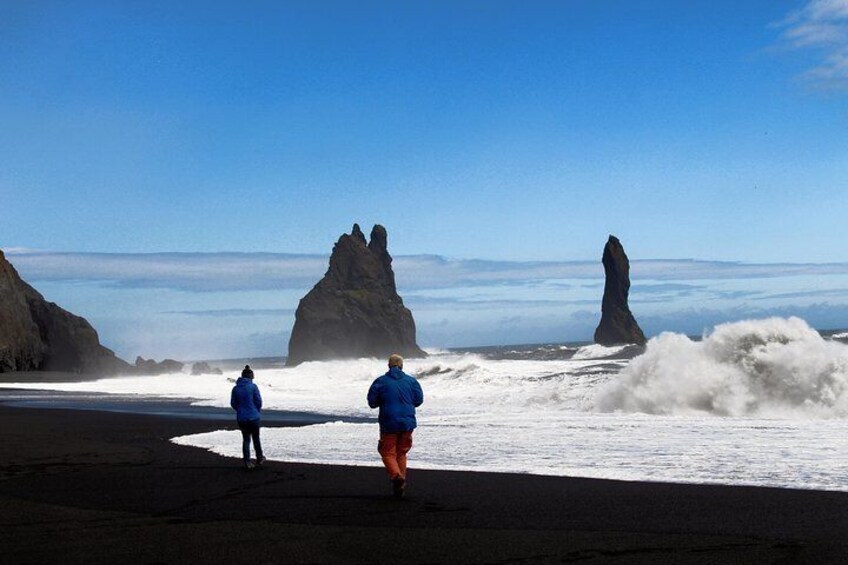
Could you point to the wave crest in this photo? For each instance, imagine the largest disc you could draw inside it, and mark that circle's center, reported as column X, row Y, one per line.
column 776, row 367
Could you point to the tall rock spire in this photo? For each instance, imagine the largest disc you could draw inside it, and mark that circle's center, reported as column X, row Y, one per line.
column 355, row 310
column 617, row 326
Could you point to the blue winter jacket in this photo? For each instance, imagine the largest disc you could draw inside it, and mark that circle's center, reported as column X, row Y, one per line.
column 397, row 394
column 246, row 400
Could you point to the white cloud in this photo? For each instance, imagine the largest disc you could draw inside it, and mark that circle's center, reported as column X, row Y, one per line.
column 833, row 72
column 196, row 272
column 234, row 312
column 821, row 25
column 19, row 250
column 211, row 272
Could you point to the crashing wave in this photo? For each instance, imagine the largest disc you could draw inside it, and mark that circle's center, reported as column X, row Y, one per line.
column 597, row 351
column 774, row 367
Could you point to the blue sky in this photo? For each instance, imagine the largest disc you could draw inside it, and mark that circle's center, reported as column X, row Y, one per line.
column 502, row 131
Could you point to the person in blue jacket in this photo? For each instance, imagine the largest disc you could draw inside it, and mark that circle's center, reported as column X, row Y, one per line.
column 397, row 395
column 247, row 402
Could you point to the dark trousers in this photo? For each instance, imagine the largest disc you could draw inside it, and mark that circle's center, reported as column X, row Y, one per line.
column 250, row 429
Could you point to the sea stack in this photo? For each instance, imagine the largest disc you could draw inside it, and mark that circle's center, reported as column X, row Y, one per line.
column 355, row 310
column 36, row 335
column 618, row 326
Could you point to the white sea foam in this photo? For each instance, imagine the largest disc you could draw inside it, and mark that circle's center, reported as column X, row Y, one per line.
column 742, row 451
column 756, row 402
column 454, row 383
column 596, row 351
column 774, row 368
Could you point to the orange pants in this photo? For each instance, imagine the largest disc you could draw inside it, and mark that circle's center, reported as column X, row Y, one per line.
column 393, row 449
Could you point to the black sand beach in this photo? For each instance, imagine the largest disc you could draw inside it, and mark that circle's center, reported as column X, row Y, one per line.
column 99, row 487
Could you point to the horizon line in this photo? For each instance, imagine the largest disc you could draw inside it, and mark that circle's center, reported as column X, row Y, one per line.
column 22, row 252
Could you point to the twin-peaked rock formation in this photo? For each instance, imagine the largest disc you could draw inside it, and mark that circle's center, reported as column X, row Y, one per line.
column 618, row 326
column 355, row 310
column 36, row 335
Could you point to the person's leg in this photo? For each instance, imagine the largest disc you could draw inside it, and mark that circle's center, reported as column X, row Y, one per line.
column 257, row 446
column 387, row 447
column 245, row 443
column 404, row 444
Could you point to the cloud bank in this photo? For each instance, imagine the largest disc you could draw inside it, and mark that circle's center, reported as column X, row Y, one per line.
column 215, row 272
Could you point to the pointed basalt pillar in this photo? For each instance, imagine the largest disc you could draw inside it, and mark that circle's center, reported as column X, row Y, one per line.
column 617, row 326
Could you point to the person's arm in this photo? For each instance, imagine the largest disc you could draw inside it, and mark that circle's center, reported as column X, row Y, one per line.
column 374, row 395
column 418, row 394
column 233, row 399
column 257, row 398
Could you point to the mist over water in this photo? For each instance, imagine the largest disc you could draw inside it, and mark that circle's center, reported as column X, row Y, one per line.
column 758, row 402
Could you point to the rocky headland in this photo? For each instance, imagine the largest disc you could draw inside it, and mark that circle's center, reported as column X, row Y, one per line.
column 355, row 310
column 617, row 326
column 37, row 335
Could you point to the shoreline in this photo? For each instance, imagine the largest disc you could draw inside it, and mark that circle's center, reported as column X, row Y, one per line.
column 223, row 419
column 152, row 406
column 52, row 377
column 88, row 486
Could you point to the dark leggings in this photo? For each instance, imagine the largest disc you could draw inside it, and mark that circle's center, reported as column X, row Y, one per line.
column 250, row 429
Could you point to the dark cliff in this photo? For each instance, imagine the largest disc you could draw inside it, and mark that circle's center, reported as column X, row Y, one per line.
column 617, row 326
column 36, row 335
column 355, row 310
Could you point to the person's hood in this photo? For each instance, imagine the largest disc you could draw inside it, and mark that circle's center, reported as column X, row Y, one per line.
column 243, row 381
column 395, row 373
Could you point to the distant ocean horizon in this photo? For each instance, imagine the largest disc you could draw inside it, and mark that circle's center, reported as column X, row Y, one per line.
column 499, row 351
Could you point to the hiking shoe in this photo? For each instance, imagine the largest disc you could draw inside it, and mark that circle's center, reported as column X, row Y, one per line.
column 249, row 465
column 398, row 487
column 261, row 461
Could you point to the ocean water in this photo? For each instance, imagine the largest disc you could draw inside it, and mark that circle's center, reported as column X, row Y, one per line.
column 759, row 402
